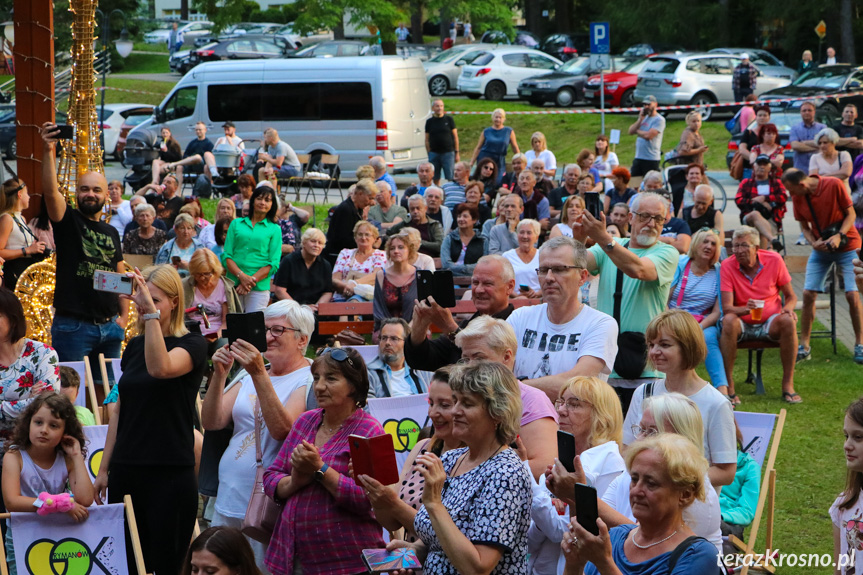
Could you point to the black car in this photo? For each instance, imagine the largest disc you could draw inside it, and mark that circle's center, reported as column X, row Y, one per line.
column 821, row 82
column 783, row 119
column 8, row 127
column 638, row 51
column 331, row 49
column 565, row 86
column 565, row 47
column 242, row 48
column 522, row 38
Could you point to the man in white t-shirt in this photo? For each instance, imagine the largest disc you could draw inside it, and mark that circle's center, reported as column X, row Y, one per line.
column 389, row 375
column 562, row 338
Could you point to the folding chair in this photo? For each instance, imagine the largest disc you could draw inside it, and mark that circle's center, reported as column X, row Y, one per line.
column 87, row 388
column 327, row 174
column 756, row 429
column 106, row 389
column 297, row 181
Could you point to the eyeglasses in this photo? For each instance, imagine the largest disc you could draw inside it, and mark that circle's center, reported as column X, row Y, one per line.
column 740, row 247
column 203, row 275
column 556, row 270
column 279, row 330
column 708, row 229
column 638, row 431
column 571, row 404
column 337, row 354
column 644, row 218
column 392, row 338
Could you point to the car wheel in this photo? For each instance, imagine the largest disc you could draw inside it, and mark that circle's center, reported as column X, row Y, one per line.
column 473, row 96
column 628, row 99
column 565, row 97
column 495, row 90
column 438, row 86
column 12, row 149
column 830, row 110
column 703, row 99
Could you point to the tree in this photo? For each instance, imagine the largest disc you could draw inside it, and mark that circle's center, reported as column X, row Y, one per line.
column 225, row 12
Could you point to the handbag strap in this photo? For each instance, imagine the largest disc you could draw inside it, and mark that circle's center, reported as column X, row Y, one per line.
column 683, row 283
column 814, row 217
column 259, row 458
column 618, row 295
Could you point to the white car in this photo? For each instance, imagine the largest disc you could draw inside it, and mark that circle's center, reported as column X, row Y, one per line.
column 115, row 115
column 497, row 72
column 190, row 30
column 443, row 70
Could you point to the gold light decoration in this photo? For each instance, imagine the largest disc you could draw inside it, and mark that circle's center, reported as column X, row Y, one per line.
column 84, row 153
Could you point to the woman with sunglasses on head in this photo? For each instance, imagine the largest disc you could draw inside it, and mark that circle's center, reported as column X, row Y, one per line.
column 19, row 247
column 274, row 394
column 675, row 347
column 487, row 173
column 589, row 410
column 396, row 506
column 695, row 289
column 310, row 476
column 476, row 499
column 206, row 287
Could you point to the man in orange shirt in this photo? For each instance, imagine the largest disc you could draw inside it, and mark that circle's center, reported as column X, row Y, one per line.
column 753, row 283
column 823, row 207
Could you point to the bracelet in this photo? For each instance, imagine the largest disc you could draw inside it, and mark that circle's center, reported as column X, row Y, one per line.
column 24, row 252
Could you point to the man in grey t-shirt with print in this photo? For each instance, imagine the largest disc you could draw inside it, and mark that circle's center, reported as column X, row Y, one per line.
column 648, row 146
column 278, row 157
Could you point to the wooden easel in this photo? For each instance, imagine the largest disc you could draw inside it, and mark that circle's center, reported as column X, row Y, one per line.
column 133, row 531
column 766, row 497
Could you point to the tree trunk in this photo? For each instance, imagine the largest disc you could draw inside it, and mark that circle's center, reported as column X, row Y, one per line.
column 532, row 16
column 417, row 21
column 444, row 24
column 563, row 15
column 184, row 9
column 846, row 33
column 339, row 32
column 724, row 37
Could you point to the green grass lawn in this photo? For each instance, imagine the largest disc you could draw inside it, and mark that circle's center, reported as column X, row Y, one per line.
column 157, row 91
column 155, row 63
column 568, row 134
column 144, row 47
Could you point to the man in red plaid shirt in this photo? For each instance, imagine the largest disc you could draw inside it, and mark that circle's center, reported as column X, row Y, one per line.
column 761, row 200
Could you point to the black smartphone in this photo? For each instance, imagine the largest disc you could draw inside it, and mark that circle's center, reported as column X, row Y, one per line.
column 586, row 507
column 593, row 204
column 249, row 327
column 566, row 449
column 524, row 288
column 438, row 285
column 66, row 132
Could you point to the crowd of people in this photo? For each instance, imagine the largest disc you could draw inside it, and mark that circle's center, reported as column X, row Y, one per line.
column 590, row 322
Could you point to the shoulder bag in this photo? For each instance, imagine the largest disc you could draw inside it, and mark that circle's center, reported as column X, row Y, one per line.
column 829, row 231
column 631, row 345
column 736, row 167
column 263, row 513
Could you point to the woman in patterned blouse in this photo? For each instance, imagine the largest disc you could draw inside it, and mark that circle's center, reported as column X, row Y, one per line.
column 476, row 499
column 27, row 367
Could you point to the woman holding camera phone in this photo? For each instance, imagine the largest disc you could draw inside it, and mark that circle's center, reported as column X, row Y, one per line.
column 155, row 464
column 19, row 247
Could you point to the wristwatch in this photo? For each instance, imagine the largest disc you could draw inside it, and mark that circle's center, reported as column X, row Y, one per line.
column 319, row 474
column 451, row 335
column 155, row 315
column 609, row 246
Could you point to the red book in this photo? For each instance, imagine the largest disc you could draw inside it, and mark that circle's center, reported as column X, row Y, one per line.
column 375, row 457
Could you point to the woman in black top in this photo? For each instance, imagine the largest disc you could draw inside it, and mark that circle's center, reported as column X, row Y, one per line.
column 169, row 152
column 149, row 451
column 487, row 172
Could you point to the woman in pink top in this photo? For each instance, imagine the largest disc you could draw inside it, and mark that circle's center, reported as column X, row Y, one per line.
column 206, row 287
column 358, row 265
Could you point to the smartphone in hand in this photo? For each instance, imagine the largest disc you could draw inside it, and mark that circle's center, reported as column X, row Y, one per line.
column 249, row 327
column 112, row 282
column 566, row 450
column 586, row 508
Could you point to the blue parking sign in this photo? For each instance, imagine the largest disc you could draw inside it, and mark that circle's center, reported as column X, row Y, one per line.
column 600, row 38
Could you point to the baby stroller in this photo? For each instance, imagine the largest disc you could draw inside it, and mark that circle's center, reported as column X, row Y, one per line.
column 231, row 162
column 141, row 149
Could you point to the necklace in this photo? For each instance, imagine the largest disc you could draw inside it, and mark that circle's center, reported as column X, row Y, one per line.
column 634, row 542
column 463, row 457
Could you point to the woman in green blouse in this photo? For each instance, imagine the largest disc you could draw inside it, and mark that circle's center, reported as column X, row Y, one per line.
column 253, row 248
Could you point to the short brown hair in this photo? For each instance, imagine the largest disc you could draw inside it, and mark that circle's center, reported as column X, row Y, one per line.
column 472, row 210
column 353, row 369
column 10, row 306
column 682, row 327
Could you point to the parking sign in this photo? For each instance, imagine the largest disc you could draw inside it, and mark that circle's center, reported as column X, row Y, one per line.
column 600, row 38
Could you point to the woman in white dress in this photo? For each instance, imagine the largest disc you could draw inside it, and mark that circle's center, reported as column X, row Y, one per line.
column 525, row 259
column 539, row 151
column 605, row 161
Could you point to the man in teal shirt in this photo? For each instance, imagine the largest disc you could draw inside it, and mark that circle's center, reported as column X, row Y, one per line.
column 648, row 267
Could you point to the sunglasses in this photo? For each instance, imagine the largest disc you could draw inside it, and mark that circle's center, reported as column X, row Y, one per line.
column 337, row 354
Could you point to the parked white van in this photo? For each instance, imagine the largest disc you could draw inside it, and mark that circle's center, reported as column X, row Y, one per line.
column 356, row 107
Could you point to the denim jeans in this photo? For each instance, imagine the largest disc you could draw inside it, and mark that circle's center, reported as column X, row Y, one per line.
column 74, row 339
column 714, row 365
column 442, row 163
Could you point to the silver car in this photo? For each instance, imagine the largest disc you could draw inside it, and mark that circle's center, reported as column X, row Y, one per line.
column 769, row 64
column 695, row 78
column 443, row 70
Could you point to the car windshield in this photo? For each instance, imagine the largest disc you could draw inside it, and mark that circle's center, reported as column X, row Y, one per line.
column 447, row 55
column 7, row 114
column 822, row 78
column 136, row 119
column 576, row 66
column 661, row 65
column 635, row 67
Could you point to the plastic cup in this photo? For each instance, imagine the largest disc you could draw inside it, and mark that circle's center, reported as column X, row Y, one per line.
column 758, row 310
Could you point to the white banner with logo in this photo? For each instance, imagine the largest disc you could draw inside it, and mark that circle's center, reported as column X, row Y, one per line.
column 96, row 436
column 57, row 545
column 403, row 418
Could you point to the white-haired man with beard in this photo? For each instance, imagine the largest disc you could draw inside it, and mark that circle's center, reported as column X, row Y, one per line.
column 647, row 267
column 86, row 322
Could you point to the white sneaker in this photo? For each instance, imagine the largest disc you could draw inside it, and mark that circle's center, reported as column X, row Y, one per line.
column 801, row 241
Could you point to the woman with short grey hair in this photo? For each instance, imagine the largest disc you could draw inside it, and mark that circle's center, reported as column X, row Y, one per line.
column 274, row 394
column 829, row 161
column 145, row 239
